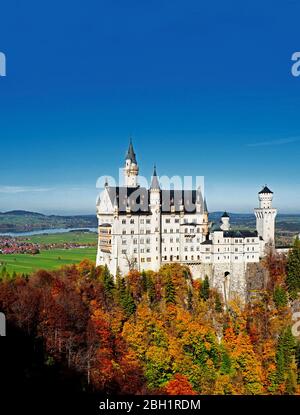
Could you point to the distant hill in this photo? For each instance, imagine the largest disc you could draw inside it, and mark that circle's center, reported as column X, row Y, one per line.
column 24, row 221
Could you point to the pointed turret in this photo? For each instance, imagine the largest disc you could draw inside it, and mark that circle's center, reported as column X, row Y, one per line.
column 130, row 153
column 154, row 183
column 205, row 206
column 131, row 169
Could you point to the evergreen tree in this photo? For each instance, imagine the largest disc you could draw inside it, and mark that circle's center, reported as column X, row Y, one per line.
column 151, row 290
column 144, row 281
column 170, row 293
column 285, row 354
column 293, row 269
column 204, row 289
column 128, row 303
column 280, row 297
column 218, row 304
column 108, row 282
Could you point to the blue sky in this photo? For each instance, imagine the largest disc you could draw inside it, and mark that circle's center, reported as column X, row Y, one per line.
column 204, row 88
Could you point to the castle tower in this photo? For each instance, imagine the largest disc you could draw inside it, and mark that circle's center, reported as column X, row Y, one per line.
column 265, row 216
column 225, row 225
column 131, row 169
column 155, row 207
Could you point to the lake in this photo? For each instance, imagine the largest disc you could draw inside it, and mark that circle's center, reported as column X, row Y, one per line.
column 48, row 231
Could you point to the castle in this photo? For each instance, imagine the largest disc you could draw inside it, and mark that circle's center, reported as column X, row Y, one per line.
column 142, row 229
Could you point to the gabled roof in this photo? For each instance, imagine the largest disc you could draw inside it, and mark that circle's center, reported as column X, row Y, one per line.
column 265, row 190
column 130, row 153
column 225, row 215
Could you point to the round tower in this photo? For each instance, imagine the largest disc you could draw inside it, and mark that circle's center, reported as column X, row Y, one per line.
column 225, row 225
column 265, row 216
column 155, row 208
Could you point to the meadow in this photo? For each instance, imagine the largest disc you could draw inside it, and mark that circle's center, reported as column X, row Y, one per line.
column 66, row 237
column 47, row 259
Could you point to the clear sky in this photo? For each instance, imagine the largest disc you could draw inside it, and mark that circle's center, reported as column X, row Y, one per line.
column 204, row 87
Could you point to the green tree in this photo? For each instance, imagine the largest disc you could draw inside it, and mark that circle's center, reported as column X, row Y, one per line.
column 151, row 290
column 280, row 296
column 293, row 269
column 285, row 354
column 128, row 303
column 170, row 293
column 108, row 282
column 204, row 289
column 218, row 304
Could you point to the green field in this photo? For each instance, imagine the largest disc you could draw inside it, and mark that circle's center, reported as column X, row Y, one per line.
column 51, row 259
column 66, row 237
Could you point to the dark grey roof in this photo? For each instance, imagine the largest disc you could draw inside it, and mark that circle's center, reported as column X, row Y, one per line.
column 240, row 234
column 265, row 190
column 207, row 242
column 154, row 182
column 105, row 225
column 225, row 215
column 131, row 154
column 137, row 198
column 134, row 197
column 205, row 206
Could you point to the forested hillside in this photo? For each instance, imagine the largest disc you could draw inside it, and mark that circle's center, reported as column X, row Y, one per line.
column 161, row 332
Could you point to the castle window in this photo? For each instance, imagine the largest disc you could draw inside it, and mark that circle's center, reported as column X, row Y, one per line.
column 147, row 231
column 124, row 232
column 177, row 230
column 124, row 251
column 171, row 230
column 147, row 221
column 186, row 258
column 167, row 220
column 142, row 240
column 185, row 249
column 192, row 257
column 142, row 259
column 142, row 221
column 131, row 221
column 148, row 250
column 132, row 232
column 142, row 250
column 177, row 239
column 186, row 230
column 235, row 249
column 165, row 230
column 135, row 251
column 124, row 242
column 148, row 241
column 171, row 240
column 148, row 259
column 135, row 241
column 236, row 257
column 124, row 221
column 163, row 240
column 176, row 220
column 142, row 231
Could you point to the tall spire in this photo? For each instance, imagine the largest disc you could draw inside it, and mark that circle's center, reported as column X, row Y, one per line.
column 130, row 153
column 154, row 182
column 205, row 206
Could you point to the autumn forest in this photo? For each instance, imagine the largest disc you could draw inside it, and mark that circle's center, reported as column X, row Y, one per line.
column 164, row 332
